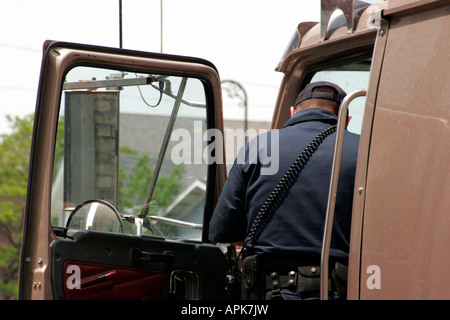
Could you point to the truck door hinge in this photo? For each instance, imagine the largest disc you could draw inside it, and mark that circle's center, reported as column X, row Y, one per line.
column 377, row 20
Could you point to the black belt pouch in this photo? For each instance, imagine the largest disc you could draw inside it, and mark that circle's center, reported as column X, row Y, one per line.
column 253, row 281
column 309, row 279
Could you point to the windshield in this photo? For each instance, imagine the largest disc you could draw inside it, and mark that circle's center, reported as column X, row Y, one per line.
column 125, row 138
column 349, row 77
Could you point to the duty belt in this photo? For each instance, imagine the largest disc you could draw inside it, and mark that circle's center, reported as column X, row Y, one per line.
column 305, row 279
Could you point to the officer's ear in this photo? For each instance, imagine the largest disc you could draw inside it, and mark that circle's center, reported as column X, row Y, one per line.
column 293, row 111
column 348, row 121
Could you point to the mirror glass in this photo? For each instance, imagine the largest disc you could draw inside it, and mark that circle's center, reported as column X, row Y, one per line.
column 135, row 140
column 95, row 215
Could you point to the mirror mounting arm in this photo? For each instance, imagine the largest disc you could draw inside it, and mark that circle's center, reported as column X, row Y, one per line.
column 163, row 150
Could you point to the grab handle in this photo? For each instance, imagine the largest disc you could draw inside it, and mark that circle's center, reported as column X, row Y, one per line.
column 332, row 190
column 140, row 256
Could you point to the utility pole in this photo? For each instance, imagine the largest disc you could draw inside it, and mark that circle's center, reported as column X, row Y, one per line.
column 161, row 26
column 120, row 24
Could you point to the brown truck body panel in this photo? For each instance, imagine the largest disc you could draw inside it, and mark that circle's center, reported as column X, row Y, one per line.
column 401, row 216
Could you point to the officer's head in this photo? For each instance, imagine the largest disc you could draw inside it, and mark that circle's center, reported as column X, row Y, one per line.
column 322, row 94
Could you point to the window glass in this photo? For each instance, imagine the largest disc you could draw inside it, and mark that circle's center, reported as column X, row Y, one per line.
column 349, row 77
column 110, row 146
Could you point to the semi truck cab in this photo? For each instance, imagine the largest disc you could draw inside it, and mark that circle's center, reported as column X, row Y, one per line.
column 128, row 160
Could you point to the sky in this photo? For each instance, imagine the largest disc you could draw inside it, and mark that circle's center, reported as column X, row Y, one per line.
column 244, row 39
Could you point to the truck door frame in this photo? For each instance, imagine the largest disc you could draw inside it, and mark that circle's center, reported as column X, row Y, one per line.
column 35, row 276
column 300, row 64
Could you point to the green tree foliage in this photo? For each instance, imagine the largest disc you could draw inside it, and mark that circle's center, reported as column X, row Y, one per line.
column 14, row 159
column 134, row 185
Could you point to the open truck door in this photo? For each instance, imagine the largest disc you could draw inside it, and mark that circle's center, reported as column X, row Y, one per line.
column 121, row 181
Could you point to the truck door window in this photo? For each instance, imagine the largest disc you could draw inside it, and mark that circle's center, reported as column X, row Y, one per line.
column 349, row 77
column 111, row 146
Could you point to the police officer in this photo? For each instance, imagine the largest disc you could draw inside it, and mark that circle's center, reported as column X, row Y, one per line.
column 288, row 240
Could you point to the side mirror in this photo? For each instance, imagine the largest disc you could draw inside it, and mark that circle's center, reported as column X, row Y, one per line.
column 95, row 215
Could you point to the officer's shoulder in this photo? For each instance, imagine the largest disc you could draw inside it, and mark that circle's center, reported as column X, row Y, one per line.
column 351, row 135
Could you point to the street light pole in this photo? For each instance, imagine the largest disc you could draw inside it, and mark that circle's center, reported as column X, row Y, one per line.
column 235, row 90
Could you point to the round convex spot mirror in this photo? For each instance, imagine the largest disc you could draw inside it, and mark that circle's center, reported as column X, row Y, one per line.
column 95, row 215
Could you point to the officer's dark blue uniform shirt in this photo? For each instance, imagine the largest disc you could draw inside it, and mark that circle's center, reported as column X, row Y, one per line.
column 296, row 227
